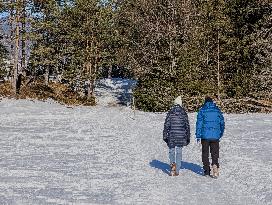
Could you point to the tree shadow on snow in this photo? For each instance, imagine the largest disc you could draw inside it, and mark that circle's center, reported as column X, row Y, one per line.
column 184, row 165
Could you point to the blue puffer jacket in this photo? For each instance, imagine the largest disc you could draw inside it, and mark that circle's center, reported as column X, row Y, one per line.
column 176, row 127
column 210, row 123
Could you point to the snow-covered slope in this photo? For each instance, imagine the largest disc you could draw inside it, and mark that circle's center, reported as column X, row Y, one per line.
column 51, row 154
column 114, row 91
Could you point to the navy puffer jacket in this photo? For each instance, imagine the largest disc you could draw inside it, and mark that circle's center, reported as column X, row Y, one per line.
column 176, row 127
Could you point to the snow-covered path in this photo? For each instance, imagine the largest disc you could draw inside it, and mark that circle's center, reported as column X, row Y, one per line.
column 114, row 91
column 51, row 154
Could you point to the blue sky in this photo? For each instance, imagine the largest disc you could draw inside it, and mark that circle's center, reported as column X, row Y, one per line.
column 3, row 14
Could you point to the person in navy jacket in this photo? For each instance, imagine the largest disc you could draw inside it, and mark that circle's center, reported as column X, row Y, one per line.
column 176, row 134
column 210, row 127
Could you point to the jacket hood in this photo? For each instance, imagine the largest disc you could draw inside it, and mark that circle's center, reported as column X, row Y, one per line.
column 210, row 105
column 177, row 109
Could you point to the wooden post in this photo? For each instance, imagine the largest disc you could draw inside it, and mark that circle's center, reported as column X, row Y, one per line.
column 46, row 75
column 133, row 107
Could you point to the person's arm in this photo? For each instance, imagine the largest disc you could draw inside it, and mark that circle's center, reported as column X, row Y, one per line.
column 166, row 128
column 199, row 124
column 187, row 126
column 222, row 124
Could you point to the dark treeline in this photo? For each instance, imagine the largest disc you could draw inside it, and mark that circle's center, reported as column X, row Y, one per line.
column 191, row 48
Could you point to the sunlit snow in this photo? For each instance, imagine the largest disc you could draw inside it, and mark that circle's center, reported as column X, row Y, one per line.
column 52, row 154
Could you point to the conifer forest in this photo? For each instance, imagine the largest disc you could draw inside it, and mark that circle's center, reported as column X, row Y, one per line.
column 60, row 48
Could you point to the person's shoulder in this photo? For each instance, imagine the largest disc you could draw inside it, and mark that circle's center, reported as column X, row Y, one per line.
column 217, row 107
column 182, row 111
column 171, row 110
column 203, row 107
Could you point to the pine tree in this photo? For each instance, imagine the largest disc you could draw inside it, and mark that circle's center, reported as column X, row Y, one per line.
column 45, row 39
column 155, row 34
column 193, row 48
column 87, row 35
column 3, row 58
column 242, row 56
column 3, row 50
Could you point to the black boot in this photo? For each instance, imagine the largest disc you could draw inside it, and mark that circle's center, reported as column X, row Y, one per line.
column 207, row 172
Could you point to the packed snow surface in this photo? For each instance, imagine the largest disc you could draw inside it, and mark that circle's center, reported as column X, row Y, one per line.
column 52, row 154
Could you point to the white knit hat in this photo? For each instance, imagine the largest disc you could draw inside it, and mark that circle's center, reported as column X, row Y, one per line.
column 178, row 101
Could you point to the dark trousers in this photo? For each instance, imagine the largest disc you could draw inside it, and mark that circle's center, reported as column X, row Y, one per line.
column 213, row 145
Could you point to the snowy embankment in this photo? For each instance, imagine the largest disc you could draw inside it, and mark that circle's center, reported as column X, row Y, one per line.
column 114, row 91
column 51, row 154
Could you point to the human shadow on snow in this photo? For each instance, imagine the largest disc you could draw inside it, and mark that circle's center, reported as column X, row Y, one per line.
column 184, row 165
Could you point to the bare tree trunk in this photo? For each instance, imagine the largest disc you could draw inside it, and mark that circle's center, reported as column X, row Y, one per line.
column 94, row 77
column 11, row 37
column 171, row 37
column 23, row 62
column 89, row 90
column 218, row 66
column 89, row 64
column 16, row 51
column 207, row 57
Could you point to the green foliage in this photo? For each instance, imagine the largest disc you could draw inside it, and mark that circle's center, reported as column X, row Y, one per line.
column 220, row 49
column 240, row 55
column 3, row 57
column 44, row 36
column 76, row 40
column 154, row 93
column 188, row 48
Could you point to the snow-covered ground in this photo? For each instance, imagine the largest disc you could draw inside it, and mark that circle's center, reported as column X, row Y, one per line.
column 51, row 154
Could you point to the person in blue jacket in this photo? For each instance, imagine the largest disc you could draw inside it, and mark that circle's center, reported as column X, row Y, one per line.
column 176, row 134
column 210, row 127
